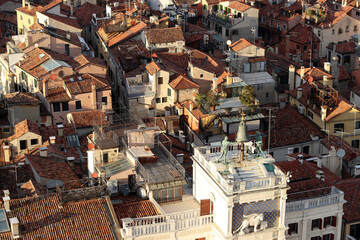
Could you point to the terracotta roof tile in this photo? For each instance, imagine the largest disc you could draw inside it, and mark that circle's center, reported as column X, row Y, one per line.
column 206, row 62
column 85, row 12
column 153, row 68
column 29, row 189
column 48, row 221
column 24, row 127
column 57, row 94
column 78, row 84
column 136, row 209
column 83, row 60
column 292, row 128
column 351, row 189
column 238, row 6
column 350, row 152
column 240, row 44
column 89, row 118
column 20, row 98
column 64, row 20
column 164, row 35
column 344, row 47
column 182, row 82
column 127, row 34
column 302, row 34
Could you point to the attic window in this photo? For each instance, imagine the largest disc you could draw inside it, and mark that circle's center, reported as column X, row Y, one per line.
column 73, row 141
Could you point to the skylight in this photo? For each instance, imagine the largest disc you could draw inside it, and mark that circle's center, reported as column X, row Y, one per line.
column 4, row 226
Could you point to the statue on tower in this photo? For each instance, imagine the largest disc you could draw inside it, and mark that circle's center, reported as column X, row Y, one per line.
column 224, row 149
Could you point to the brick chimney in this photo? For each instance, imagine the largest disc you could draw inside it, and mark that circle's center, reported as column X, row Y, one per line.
column 229, row 80
column 60, row 130
column 323, row 112
column 7, row 153
column 52, row 140
column 45, row 88
column 43, row 151
column 191, row 106
column 299, row 93
column 302, row 72
column 327, row 67
column 93, row 93
column 14, row 224
column 214, row 83
column 291, row 79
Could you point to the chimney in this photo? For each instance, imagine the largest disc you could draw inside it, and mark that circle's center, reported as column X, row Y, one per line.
column 357, row 3
column 320, row 175
column 180, row 157
column 318, row 163
column 252, row 3
column 287, row 46
column 229, row 80
column 45, row 88
column 302, row 72
column 60, row 130
column 191, row 106
column 301, row 158
column 327, row 82
column 215, row 83
column 23, row 3
column 323, row 112
column 70, row 161
column 43, row 151
column 335, row 70
column 291, row 79
column 72, row 10
column 93, row 93
column 327, row 67
column 68, row 35
column 14, row 224
column 52, row 140
column 6, row 193
column 299, row 93
column 6, row 201
column 7, row 153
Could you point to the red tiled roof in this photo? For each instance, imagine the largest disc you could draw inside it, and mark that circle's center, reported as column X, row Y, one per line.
column 164, row 35
column 85, row 12
column 23, row 127
column 333, row 17
column 42, row 218
column 152, row 68
column 57, row 94
column 64, row 20
column 33, row 9
column 83, row 60
column 351, row 189
column 343, row 47
column 29, row 189
column 297, row 170
column 136, row 209
column 350, row 152
column 240, row 44
column 182, row 82
column 302, row 34
column 20, row 98
column 134, row 30
column 51, row 167
column 207, row 63
column 89, row 118
column 77, row 86
column 292, row 128
column 238, row 6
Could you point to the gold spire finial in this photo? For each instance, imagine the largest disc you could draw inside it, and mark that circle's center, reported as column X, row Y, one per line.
column 243, row 116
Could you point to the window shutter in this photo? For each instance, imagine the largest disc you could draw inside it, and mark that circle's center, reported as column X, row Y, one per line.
column 312, row 225
column 332, row 237
column 204, row 207
column 320, row 223
column 325, row 222
column 333, row 222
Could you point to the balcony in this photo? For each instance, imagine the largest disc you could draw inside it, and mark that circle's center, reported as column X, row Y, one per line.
column 137, row 90
column 167, row 223
column 227, row 20
column 326, row 197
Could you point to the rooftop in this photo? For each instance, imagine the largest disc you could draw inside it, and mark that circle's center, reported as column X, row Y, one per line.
column 41, row 217
column 182, row 82
column 21, row 98
column 164, row 35
column 89, row 118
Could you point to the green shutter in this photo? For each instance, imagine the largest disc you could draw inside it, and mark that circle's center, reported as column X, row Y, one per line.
column 169, row 92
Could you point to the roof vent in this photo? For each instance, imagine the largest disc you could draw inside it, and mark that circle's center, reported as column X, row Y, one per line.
column 6, row 201
column 14, row 223
column 52, row 139
column 60, row 130
column 42, row 55
column 43, row 151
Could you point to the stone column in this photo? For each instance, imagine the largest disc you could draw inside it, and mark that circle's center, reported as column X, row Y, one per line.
column 338, row 226
column 304, row 229
column 230, row 219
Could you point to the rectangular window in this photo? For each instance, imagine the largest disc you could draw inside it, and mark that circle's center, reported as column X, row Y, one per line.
column 246, row 67
column 293, row 228
column 267, row 96
column 333, row 31
column 35, row 83
column 227, row 32
column 316, row 238
column 296, row 150
column 169, row 92
column 158, row 100
column 357, row 125
column 67, row 49
column 22, row 144
column 338, row 127
column 306, row 149
column 316, row 224
column 160, row 80
column 34, row 141
column 310, row 114
column 164, row 99
column 56, row 107
column 104, row 100
column 73, row 141
column 315, row 46
column 105, row 157
column 6, row 130
column 78, row 104
column 328, row 236
column 355, row 143
column 355, row 28
column 355, row 231
column 65, row 106
column 235, row 32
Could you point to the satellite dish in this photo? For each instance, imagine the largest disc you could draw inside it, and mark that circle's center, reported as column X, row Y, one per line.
column 340, row 153
column 228, row 42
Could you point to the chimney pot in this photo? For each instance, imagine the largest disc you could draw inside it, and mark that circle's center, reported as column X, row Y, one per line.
column 60, row 130
column 14, row 223
column 302, row 72
column 299, row 93
column 214, row 83
column 52, row 140
column 327, row 67
column 6, row 193
column 7, row 152
column 43, row 151
column 6, row 201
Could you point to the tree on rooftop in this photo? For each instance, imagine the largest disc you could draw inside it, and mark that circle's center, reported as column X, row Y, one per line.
column 248, row 96
column 212, row 99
